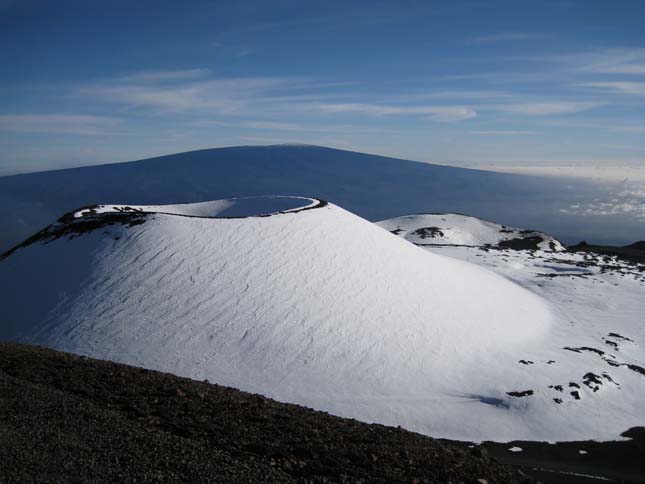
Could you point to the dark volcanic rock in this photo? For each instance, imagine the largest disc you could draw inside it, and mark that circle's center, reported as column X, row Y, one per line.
column 524, row 393
column 66, row 418
column 579, row 462
column 634, row 253
column 68, row 226
column 523, row 243
column 428, row 232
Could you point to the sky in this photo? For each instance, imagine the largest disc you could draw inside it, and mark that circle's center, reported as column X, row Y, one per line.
column 550, row 87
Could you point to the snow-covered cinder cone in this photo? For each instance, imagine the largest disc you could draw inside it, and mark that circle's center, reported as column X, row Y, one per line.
column 290, row 297
column 457, row 229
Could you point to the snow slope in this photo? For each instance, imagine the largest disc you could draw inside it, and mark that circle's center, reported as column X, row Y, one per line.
column 314, row 305
column 317, row 306
column 591, row 367
column 456, row 229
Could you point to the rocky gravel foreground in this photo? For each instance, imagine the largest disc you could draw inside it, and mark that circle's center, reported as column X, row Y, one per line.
column 66, row 418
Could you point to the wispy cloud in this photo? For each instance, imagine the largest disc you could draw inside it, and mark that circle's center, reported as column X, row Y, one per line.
column 463, row 95
column 234, row 50
column 218, row 96
column 619, row 147
column 264, row 125
column 277, row 126
column 546, row 108
column 195, row 93
column 628, row 61
column 59, row 123
column 255, row 96
column 564, row 70
column 628, row 129
column 618, row 128
column 163, row 76
column 622, row 87
column 435, row 113
column 503, row 132
column 507, row 37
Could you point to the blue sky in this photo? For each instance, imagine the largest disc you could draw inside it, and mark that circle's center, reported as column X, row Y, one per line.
column 542, row 86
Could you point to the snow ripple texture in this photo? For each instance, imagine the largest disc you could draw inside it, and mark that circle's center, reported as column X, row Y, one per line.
column 317, row 307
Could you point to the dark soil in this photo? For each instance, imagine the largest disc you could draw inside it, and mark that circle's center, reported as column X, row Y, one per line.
column 66, row 418
column 522, row 243
column 68, row 226
column 577, row 462
column 640, row 245
column 632, row 253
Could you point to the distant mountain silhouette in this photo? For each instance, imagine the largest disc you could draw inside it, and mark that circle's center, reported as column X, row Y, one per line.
column 640, row 245
column 374, row 187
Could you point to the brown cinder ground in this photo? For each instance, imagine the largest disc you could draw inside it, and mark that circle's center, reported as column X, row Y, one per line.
column 66, row 418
